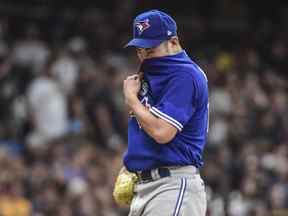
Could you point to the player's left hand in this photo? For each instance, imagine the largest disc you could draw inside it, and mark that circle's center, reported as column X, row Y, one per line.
column 131, row 87
column 124, row 187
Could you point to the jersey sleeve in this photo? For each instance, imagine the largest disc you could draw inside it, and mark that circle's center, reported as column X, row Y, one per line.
column 176, row 103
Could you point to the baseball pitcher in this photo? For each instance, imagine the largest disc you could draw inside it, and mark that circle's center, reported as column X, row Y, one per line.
column 168, row 125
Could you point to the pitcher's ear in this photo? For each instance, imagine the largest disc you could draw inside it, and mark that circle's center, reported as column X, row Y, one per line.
column 174, row 40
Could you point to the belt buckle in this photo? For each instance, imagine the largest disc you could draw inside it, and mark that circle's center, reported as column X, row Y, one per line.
column 153, row 175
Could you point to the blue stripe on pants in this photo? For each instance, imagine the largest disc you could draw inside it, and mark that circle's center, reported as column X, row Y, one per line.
column 180, row 197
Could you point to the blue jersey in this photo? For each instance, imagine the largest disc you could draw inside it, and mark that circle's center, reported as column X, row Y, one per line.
column 174, row 89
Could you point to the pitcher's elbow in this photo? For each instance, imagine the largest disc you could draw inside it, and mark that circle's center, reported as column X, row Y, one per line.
column 163, row 138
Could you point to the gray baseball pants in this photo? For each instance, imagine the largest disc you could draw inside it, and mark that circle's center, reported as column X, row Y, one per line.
column 181, row 194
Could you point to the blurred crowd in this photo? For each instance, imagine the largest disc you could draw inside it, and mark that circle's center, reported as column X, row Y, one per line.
column 63, row 122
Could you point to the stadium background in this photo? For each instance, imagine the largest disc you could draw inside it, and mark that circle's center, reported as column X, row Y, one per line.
column 63, row 121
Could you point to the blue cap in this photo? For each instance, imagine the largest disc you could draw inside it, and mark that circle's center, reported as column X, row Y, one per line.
column 152, row 28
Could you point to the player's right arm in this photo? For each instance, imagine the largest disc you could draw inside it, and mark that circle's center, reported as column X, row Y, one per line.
column 160, row 130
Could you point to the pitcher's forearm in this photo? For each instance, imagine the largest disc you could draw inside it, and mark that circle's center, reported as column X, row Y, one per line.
column 158, row 129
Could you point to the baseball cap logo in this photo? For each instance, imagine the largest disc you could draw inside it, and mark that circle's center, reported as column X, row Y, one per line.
column 142, row 25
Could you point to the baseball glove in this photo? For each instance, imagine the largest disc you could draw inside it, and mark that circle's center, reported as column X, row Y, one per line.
column 124, row 187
